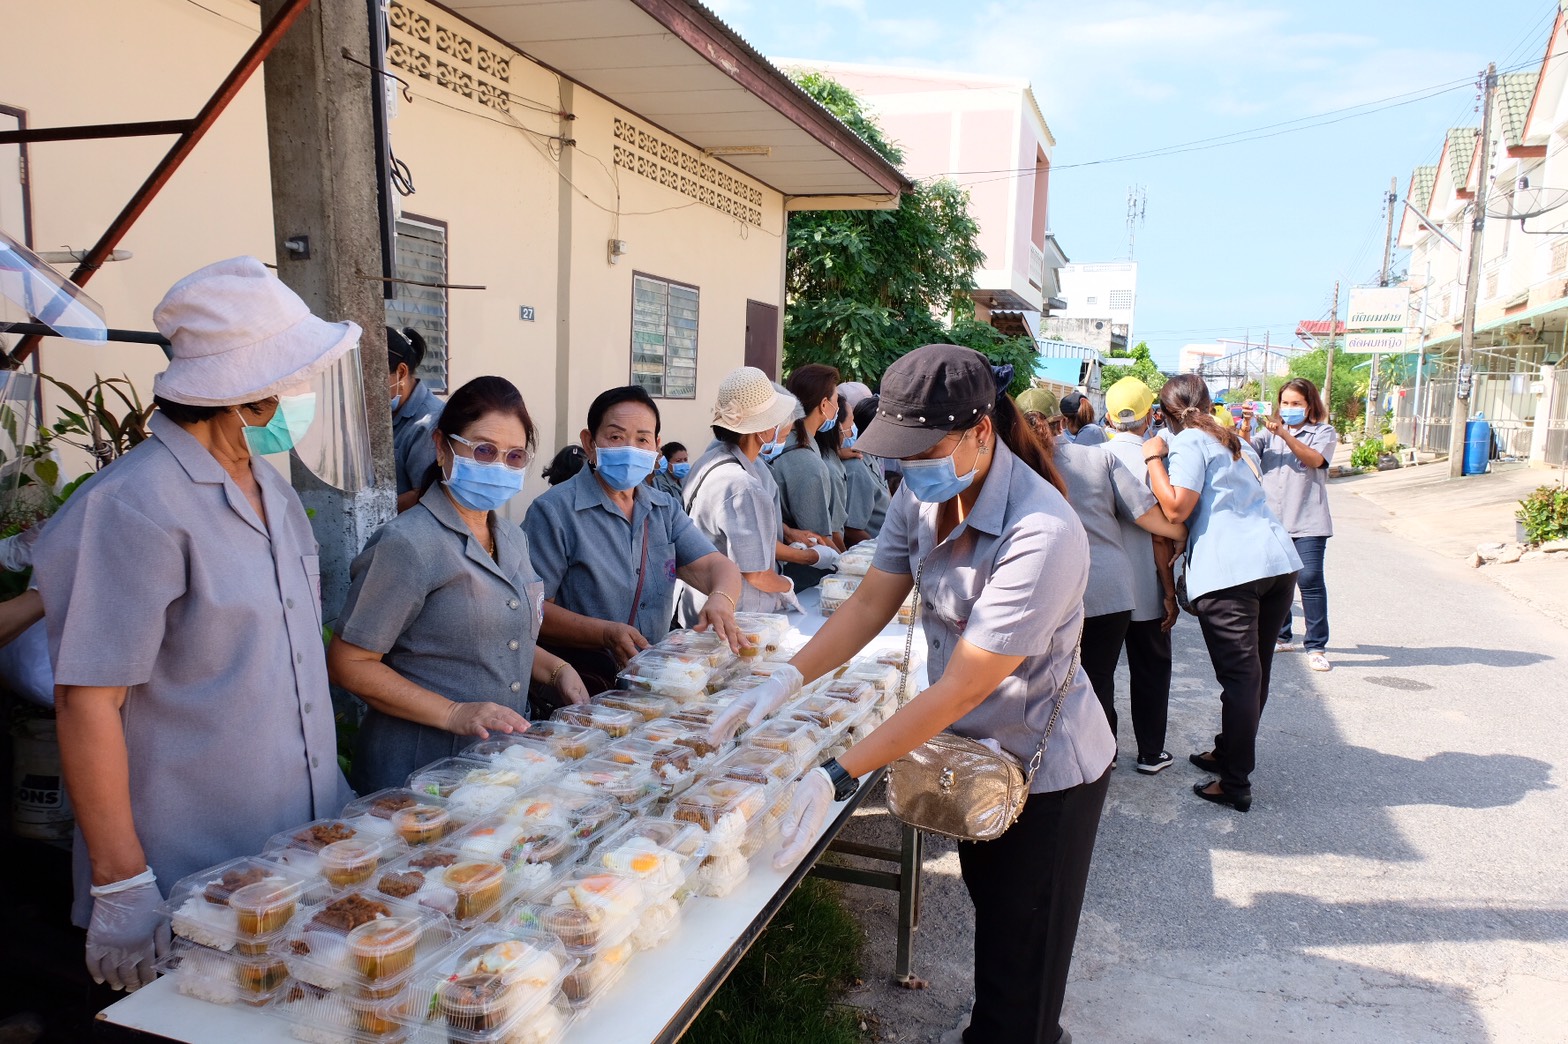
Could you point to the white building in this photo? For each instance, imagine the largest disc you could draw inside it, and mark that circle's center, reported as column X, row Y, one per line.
column 1100, row 290
column 1194, row 356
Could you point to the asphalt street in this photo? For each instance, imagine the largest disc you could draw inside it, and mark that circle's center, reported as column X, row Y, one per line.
column 1399, row 877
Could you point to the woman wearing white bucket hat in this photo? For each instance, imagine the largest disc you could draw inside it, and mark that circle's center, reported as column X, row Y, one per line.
column 183, row 593
column 729, row 492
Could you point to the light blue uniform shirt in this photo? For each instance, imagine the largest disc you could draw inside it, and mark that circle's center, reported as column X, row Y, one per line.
column 412, row 447
column 1232, row 536
column 589, row 554
column 1148, row 595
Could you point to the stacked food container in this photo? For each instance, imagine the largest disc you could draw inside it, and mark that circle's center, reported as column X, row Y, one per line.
column 502, row 892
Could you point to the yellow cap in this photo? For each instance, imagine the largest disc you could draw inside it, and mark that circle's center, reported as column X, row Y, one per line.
column 1222, row 414
column 1037, row 400
column 1128, row 400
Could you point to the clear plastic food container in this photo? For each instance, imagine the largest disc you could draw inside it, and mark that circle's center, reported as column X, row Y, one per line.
column 203, row 906
column 800, row 740
column 760, row 634
column 632, row 784
column 834, row 590
column 684, row 733
column 584, row 814
column 419, row 819
column 828, row 713
column 680, row 676
column 484, row 986
column 589, row 981
column 721, row 871
column 769, row 769
column 529, row 757
column 856, row 561
column 659, row 853
column 219, row 977
column 471, row 786
column 715, row 651
column 334, row 849
column 327, row 1017
column 363, row 941
column 563, row 740
column 848, row 690
column 646, row 705
column 612, row 904
column 616, row 722
column 765, row 827
column 672, row 766
column 722, row 807
column 881, row 677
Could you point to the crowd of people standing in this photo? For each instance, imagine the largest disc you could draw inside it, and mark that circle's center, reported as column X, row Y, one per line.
column 1030, row 534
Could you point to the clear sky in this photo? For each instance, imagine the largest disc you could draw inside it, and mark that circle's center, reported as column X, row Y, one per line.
column 1238, row 239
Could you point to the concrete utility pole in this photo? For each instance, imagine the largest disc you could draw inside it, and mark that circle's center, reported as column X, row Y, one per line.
column 1456, row 433
column 326, row 219
column 1383, row 280
column 1328, row 370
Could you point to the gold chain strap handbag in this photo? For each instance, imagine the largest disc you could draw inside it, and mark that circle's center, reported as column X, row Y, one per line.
column 957, row 786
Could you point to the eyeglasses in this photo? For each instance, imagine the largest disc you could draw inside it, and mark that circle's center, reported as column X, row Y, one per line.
column 516, row 458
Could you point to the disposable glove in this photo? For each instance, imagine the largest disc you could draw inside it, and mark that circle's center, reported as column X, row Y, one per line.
column 789, row 601
column 755, row 704
column 126, row 935
column 827, row 558
column 803, row 822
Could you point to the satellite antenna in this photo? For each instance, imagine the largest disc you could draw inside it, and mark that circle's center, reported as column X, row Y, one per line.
column 1137, row 205
column 1525, row 202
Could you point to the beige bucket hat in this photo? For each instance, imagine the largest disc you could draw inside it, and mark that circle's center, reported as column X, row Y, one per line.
column 748, row 402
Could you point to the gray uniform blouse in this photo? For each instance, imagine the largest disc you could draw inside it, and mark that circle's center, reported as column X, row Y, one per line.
column 1010, row 580
column 589, row 555
column 412, row 445
column 838, row 490
column 802, row 478
column 159, row 577
column 446, row 616
column 735, row 510
column 1298, row 495
column 1148, row 596
column 868, row 497
column 1104, row 493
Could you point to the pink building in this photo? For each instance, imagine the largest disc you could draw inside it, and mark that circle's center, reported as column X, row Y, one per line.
column 987, row 134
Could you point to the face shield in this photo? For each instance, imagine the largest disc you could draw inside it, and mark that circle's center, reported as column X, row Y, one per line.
column 35, row 292
column 324, row 419
column 28, row 484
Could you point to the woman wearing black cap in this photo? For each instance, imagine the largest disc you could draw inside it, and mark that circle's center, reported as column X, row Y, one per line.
column 1078, row 413
column 1002, row 563
column 415, row 411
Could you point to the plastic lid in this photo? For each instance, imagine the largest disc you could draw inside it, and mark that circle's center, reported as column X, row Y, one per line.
column 530, row 757
column 223, row 978
column 798, row 739
column 482, row 984
column 583, row 813
column 709, row 801
column 684, row 733
column 421, row 824
column 612, row 902
column 766, row 768
column 618, row 722
column 827, row 712
column 631, row 784
column 646, row 705
column 659, row 853
column 384, row 804
column 673, row 766
column 563, row 739
column 201, row 907
column 361, row 938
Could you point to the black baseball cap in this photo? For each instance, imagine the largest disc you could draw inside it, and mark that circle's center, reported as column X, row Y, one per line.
column 1070, row 404
column 926, row 394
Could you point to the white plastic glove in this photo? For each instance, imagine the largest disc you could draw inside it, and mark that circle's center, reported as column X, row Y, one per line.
column 803, row 822
column 827, row 558
column 126, row 934
column 789, row 601
column 755, row 704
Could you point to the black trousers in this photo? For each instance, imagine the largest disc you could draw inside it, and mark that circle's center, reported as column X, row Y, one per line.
column 1027, row 888
column 1149, row 669
column 1102, row 647
column 1240, row 625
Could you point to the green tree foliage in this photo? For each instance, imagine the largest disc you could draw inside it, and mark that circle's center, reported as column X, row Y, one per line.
column 1141, row 366
column 1350, row 384
column 866, row 286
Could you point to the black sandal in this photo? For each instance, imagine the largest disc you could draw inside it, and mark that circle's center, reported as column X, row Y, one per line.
column 1205, row 761
column 1239, row 802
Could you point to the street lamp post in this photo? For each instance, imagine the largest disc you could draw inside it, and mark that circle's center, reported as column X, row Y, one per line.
column 1456, row 435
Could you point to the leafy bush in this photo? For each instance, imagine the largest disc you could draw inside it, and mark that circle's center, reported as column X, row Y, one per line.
column 1544, row 514
column 1366, row 453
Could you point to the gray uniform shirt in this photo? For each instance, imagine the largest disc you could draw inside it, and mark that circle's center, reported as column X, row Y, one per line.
column 1148, row 601
column 838, row 490
column 802, row 478
column 868, row 497
column 1010, row 580
column 159, row 577
column 412, row 445
column 734, row 509
column 589, row 555
column 1090, row 435
column 446, row 616
column 1104, row 493
column 1298, row 495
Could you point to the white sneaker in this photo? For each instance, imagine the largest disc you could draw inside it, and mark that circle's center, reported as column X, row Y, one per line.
column 1318, row 662
column 1280, row 647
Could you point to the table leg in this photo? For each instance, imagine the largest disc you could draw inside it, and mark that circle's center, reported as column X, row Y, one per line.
column 908, row 905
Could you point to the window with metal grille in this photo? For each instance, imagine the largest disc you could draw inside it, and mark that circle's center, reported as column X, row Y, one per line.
column 664, row 337
column 421, row 260
column 1560, row 255
column 1121, row 300
column 1491, row 284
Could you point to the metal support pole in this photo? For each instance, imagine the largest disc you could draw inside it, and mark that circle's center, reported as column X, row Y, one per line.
column 1476, row 246
column 1373, row 381
column 1328, row 369
column 284, row 16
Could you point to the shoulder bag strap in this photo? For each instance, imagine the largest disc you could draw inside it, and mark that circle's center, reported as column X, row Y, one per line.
column 1056, row 711
column 642, row 570
column 691, row 498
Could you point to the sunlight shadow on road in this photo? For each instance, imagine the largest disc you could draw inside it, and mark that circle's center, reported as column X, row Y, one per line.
column 1434, row 656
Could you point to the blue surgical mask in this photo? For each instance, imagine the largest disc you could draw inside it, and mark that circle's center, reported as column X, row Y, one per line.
column 681, row 469
column 852, row 437
column 483, row 487
column 1293, row 415
column 623, row 467
column 771, row 450
column 288, row 425
column 936, row 481
column 397, row 400
column 830, row 423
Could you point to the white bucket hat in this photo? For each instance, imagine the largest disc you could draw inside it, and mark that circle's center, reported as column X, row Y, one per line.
column 237, row 334
column 748, row 402
column 854, row 393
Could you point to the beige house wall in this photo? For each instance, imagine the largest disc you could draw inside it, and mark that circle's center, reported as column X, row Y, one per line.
column 530, row 227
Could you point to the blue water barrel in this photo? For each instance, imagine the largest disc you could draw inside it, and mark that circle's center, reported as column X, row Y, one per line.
column 1478, row 444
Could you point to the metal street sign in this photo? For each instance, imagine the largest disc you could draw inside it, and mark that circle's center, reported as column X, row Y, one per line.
column 1375, row 308
column 1375, row 343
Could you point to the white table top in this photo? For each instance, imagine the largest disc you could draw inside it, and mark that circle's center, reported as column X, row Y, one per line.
column 651, row 995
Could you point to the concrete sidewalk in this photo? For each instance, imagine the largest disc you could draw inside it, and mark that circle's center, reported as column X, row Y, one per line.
column 1450, row 517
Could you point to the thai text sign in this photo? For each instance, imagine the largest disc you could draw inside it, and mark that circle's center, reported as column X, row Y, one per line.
column 1375, row 308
